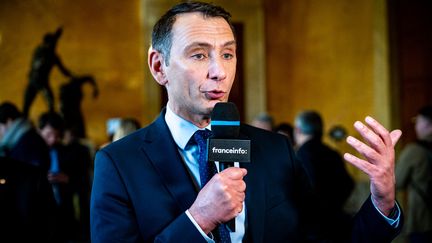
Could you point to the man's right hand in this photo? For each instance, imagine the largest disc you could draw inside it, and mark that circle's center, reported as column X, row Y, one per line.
column 220, row 200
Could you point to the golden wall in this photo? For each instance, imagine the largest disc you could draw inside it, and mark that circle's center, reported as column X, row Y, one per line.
column 330, row 56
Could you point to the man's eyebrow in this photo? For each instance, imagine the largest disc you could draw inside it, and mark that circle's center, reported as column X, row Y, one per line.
column 207, row 45
column 230, row 43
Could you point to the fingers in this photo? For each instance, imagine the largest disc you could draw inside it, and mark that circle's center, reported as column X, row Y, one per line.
column 376, row 135
column 369, row 135
column 362, row 165
column 379, row 130
column 235, row 173
column 369, row 153
column 379, row 140
column 233, row 179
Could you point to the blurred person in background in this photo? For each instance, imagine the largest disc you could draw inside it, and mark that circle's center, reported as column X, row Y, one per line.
column 112, row 125
column 332, row 183
column 81, row 169
column 26, row 198
column 414, row 174
column 286, row 129
column 19, row 139
column 51, row 128
column 126, row 127
column 263, row 121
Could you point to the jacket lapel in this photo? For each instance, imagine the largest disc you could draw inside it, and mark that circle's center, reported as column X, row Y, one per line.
column 164, row 155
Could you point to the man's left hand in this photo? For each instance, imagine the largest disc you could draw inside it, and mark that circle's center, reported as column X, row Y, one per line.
column 380, row 160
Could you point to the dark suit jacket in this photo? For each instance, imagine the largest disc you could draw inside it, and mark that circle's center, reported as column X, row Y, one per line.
column 332, row 185
column 65, row 209
column 32, row 149
column 26, row 203
column 142, row 189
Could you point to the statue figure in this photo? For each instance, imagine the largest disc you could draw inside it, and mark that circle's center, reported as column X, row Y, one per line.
column 71, row 96
column 43, row 60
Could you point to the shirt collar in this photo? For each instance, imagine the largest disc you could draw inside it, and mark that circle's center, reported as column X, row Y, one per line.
column 181, row 129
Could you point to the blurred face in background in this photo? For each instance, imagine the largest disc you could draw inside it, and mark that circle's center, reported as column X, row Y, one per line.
column 4, row 127
column 423, row 127
column 51, row 135
column 2, row 130
column 262, row 124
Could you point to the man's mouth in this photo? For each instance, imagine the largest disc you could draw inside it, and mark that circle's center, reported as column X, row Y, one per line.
column 214, row 94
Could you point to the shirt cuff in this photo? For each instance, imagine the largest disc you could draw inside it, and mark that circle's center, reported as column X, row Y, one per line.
column 393, row 222
column 209, row 238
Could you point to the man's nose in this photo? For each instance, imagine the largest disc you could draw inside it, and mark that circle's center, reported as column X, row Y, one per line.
column 217, row 70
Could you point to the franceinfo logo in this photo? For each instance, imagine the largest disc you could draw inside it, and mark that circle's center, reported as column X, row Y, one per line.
column 229, row 150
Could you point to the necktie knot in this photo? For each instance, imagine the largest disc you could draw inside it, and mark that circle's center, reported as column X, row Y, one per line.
column 201, row 136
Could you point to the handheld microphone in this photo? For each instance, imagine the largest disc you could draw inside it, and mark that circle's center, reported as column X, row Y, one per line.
column 225, row 146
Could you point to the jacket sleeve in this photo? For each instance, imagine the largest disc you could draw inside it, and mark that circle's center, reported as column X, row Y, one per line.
column 113, row 217
column 369, row 226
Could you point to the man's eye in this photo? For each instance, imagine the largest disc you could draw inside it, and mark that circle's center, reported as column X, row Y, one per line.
column 199, row 56
column 227, row 56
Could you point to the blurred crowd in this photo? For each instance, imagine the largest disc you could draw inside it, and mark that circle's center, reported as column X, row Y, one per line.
column 46, row 173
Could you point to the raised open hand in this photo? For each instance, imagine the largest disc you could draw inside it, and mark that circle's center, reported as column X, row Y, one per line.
column 379, row 163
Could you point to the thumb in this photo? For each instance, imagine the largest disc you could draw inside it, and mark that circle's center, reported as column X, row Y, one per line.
column 235, row 173
column 395, row 135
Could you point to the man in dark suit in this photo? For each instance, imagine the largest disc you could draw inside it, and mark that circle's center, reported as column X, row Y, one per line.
column 19, row 140
column 148, row 186
column 26, row 202
column 325, row 167
column 26, row 199
column 51, row 129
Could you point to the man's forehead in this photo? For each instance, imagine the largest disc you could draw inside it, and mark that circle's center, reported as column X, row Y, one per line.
column 196, row 30
column 197, row 15
column 197, row 20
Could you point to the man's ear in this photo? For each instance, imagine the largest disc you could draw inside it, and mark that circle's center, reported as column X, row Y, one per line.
column 156, row 65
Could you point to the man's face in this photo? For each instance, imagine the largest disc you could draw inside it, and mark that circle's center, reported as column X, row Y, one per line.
column 202, row 65
column 51, row 135
column 423, row 127
column 262, row 124
column 2, row 130
column 4, row 127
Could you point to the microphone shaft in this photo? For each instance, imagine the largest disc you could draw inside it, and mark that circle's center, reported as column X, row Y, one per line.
column 225, row 165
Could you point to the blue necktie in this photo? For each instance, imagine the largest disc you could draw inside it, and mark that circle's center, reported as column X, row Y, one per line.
column 207, row 170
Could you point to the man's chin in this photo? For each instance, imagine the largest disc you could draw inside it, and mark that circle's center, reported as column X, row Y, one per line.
column 212, row 104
